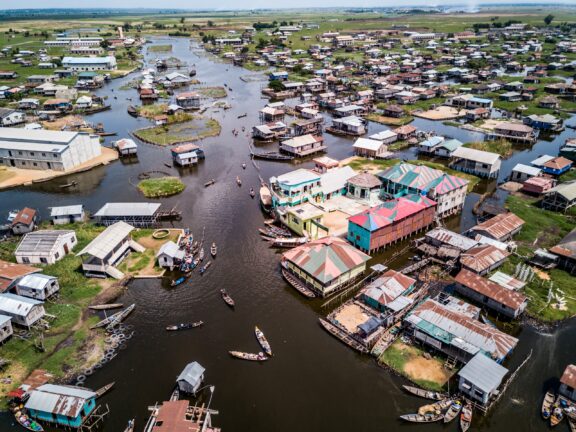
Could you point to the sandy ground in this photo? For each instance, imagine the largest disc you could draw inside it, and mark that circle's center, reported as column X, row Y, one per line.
column 391, row 121
column 511, row 186
column 69, row 120
column 441, row 113
column 490, row 124
column 351, row 316
column 24, row 177
column 152, row 244
column 420, row 368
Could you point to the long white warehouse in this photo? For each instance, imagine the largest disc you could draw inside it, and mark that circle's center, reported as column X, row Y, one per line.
column 46, row 150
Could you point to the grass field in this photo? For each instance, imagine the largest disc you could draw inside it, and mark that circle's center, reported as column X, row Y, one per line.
column 501, row 147
column 161, row 187
column 160, row 48
column 192, row 129
column 542, row 229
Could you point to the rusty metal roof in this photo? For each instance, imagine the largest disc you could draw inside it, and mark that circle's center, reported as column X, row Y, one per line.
column 59, row 399
column 569, row 376
column 500, row 226
column 171, row 417
column 11, row 271
column 481, row 258
column 509, row 298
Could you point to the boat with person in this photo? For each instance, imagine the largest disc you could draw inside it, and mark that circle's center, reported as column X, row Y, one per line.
column 209, row 183
column 466, row 417
column 453, row 411
column 26, row 421
column 178, row 281
column 265, row 198
column 252, row 193
column 435, row 407
column 547, row 403
column 201, row 255
column 130, row 426
column 205, row 267
column 184, row 326
column 213, row 250
column 248, row 356
column 229, row 300
column 425, row 418
column 106, row 306
column 263, row 341
column 557, row 416
column 427, row 394
column 289, row 242
column 238, row 181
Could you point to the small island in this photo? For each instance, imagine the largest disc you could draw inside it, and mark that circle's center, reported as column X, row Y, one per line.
column 161, row 187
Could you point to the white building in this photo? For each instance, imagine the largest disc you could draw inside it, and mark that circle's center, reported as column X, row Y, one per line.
column 67, row 214
column 89, row 63
column 10, row 117
column 23, row 311
column 37, row 286
column 5, row 327
column 46, row 150
column 169, row 254
column 45, row 246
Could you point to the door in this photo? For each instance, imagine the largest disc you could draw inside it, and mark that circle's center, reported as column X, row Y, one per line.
column 66, row 250
column 12, row 163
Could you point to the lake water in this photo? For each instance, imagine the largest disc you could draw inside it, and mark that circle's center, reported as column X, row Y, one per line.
column 313, row 382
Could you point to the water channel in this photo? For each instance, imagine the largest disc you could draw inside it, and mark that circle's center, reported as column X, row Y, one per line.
column 313, row 382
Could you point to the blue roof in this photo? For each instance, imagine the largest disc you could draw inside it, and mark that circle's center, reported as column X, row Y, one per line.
column 480, row 100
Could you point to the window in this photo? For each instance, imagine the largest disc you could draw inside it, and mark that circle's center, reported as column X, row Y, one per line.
column 19, row 152
column 57, row 255
column 26, row 260
column 43, row 154
column 34, row 163
column 55, row 155
column 31, row 153
column 43, row 260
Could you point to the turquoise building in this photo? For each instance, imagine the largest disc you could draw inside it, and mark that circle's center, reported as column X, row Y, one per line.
column 63, row 405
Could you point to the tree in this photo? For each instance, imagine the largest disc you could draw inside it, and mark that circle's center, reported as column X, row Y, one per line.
column 244, row 50
column 182, row 20
column 210, row 23
column 548, row 19
column 276, row 85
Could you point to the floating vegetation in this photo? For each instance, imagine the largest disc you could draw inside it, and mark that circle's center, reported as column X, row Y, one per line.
column 161, row 187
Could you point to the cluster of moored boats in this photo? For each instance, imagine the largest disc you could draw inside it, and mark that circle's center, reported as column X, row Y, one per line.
column 261, row 356
column 555, row 409
column 280, row 237
column 194, row 257
column 444, row 408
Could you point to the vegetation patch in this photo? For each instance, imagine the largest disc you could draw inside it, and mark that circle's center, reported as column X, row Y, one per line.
column 160, row 48
column 212, row 92
column 391, row 121
column 161, row 187
column 151, row 111
column 500, row 146
column 413, row 363
column 196, row 128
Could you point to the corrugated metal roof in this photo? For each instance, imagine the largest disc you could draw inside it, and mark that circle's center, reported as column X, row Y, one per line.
column 66, row 210
column 35, row 281
column 507, row 281
column 484, row 373
column 107, row 240
column 482, row 258
column 58, row 399
column 451, row 238
column 367, row 143
column 476, row 155
column 12, row 271
column 569, row 376
column 446, row 324
column 327, row 258
column 526, row 169
column 500, row 226
column 42, row 242
column 511, row 299
column 335, row 179
column 192, row 374
column 4, row 319
column 17, row 305
column 128, row 209
column 171, row 249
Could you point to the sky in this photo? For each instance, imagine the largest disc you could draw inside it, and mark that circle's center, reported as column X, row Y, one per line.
column 247, row 4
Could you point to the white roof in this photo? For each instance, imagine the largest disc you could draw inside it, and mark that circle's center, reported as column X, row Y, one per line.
column 107, row 240
column 526, row 169
column 88, row 60
column 384, row 135
column 4, row 319
column 367, row 143
column 36, row 136
column 35, row 281
column 17, row 305
column 187, row 155
column 42, row 242
column 66, row 210
column 336, row 179
column 128, row 209
column 476, row 155
column 484, row 373
column 192, row 374
column 299, row 141
column 542, row 160
column 171, row 249
column 296, row 177
column 58, row 399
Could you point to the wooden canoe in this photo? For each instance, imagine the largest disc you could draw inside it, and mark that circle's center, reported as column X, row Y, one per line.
column 130, row 426
column 103, row 390
column 571, row 423
column 547, row 403
column 426, row 418
column 26, row 422
column 557, row 416
column 426, row 394
column 248, row 356
column 106, row 306
column 435, row 407
column 184, row 326
column 229, row 300
column 263, row 341
column 466, row 417
column 453, row 411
